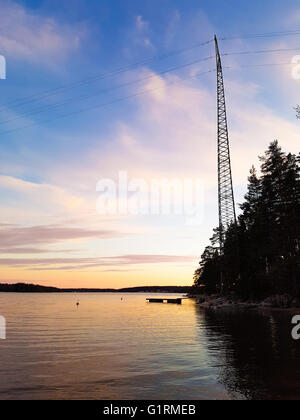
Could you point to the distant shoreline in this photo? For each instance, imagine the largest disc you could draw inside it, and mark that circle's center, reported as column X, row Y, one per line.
column 33, row 288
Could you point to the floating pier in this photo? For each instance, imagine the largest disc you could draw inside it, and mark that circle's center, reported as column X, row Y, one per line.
column 167, row 300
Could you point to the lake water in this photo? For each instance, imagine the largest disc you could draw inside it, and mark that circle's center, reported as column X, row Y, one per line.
column 109, row 348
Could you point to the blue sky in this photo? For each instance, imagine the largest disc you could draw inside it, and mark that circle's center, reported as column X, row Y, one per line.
column 50, row 163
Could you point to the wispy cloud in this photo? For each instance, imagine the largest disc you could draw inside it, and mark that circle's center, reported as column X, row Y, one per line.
column 55, row 264
column 25, row 250
column 141, row 33
column 26, row 35
column 141, row 24
column 172, row 27
column 41, row 193
column 13, row 237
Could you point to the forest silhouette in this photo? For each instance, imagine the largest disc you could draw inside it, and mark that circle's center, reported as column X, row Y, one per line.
column 261, row 253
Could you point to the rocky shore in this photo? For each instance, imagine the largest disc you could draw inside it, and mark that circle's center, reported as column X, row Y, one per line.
column 272, row 302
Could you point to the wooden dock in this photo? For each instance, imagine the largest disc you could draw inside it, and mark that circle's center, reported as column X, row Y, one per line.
column 167, row 300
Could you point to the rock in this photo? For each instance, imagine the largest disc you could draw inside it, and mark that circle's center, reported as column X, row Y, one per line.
column 278, row 301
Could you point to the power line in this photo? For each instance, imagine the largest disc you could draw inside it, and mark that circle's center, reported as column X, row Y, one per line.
column 103, row 105
column 101, row 76
column 84, row 97
column 143, row 92
column 261, row 51
column 258, row 65
column 123, row 69
column 263, row 35
column 116, row 72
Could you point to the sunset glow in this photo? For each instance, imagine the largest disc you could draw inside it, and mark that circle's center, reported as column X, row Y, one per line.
column 53, row 157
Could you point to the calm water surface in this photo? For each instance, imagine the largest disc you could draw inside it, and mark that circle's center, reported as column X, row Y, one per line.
column 113, row 349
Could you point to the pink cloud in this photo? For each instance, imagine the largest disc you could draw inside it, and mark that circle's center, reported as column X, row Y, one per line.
column 12, row 237
column 83, row 263
column 25, row 250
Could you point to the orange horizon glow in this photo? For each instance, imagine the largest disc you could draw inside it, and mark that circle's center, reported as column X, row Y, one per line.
column 117, row 280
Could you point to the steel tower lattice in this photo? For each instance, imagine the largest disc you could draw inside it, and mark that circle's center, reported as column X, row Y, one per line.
column 227, row 213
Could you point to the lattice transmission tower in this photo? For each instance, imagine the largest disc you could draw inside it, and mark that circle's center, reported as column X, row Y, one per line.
column 227, row 213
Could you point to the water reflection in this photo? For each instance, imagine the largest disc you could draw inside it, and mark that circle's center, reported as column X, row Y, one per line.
column 254, row 352
column 112, row 349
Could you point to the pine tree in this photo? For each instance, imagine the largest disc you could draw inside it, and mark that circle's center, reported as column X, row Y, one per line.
column 253, row 230
column 251, row 206
column 261, row 253
column 280, row 182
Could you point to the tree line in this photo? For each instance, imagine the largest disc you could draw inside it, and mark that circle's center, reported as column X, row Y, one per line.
column 261, row 252
column 34, row 288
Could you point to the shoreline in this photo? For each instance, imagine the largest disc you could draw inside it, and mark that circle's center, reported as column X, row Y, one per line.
column 275, row 303
column 35, row 288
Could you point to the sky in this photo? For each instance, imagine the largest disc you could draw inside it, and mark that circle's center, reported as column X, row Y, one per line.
column 98, row 88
